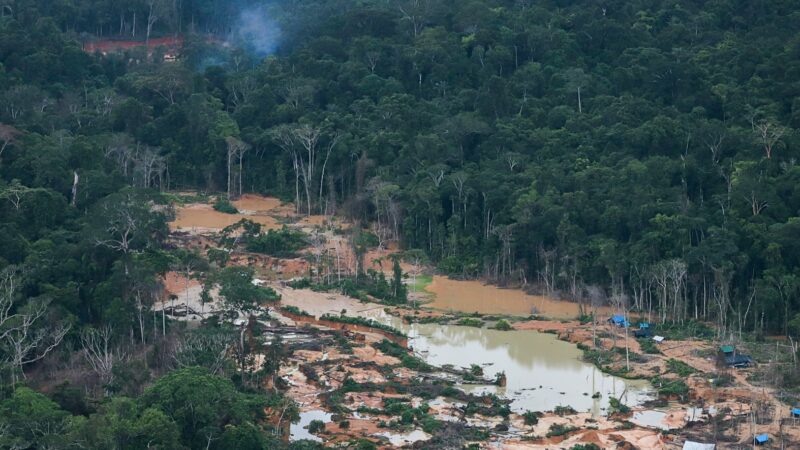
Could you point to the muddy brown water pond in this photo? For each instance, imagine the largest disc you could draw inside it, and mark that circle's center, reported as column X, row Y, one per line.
column 474, row 296
column 542, row 372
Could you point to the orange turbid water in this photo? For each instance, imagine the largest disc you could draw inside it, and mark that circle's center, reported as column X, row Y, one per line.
column 474, row 296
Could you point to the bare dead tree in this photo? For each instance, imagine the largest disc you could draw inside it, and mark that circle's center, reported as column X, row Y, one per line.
column 156, row 10
column 121, row 148
column 25, row 335
column 121, row 229
column 194, row 349
column 99, row 353
column 236, row 150
column 303, row 143
column 769, row 133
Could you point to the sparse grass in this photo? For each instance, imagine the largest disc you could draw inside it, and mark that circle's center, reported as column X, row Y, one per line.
column 649, row 346
column 421, row 283
column 470, row 322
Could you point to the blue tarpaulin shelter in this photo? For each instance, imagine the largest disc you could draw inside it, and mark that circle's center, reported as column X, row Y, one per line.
column 643, row 325
column 619, row 320
column 761, row 438
column 796, row 413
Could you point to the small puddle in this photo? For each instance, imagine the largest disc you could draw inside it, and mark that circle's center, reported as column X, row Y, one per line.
column 401, row 439
column 299, row 431
column 653, row 418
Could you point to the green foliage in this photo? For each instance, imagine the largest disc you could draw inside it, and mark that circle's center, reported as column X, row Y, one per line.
column 530, row 418
column 223, row 205
column 316, row 426
column 588, row 446
column 671, row 387
column 470, row 322
column 283, row 243
column 202, row 404
column 295, row 310
column 363, row 322
column 680, row 368
column 25, row 414
column 406, row 359
column 616, row 406
column 649, row 346
column 123, row 419
column 558, row 429
column 372, row 287
column 239, row 293
column 503, row 325
column 564, row 410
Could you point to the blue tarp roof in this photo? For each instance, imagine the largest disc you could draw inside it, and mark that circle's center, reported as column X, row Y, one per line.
column 617, row 318
column 644, row 324
column 796, row 411
column 762, row 438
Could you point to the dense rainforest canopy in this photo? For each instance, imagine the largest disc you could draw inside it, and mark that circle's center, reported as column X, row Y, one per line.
column 643, row 153
column 644, row 148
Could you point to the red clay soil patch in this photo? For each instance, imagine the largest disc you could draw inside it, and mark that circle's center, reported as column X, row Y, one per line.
column 205, row 218
column 176, row 283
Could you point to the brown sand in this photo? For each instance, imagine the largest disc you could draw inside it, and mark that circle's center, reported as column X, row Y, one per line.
column 205, row 218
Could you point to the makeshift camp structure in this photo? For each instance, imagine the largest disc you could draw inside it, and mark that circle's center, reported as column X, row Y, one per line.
column 761, row 439
column 642, row 333
column 619, row 320
column 795, row 413
column 733, row 358
column 644, row 330
column 738, row 361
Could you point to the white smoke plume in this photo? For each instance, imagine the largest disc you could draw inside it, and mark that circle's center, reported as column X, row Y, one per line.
column 256, row 32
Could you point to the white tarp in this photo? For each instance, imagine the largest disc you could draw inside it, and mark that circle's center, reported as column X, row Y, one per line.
column 690, row 445
column 658, row 338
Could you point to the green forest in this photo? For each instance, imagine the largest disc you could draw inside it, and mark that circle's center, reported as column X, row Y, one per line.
column 642, row 154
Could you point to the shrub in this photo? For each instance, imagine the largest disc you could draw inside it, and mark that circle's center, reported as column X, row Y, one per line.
column 588, row 446
column 617, row 406
column 281, row 243
column 530, row 417
column 564, row 410
column 224, row 206
column 670, row 388
column 503, row 325
column 470, row 322
column 316, row 426
column 558, row 429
